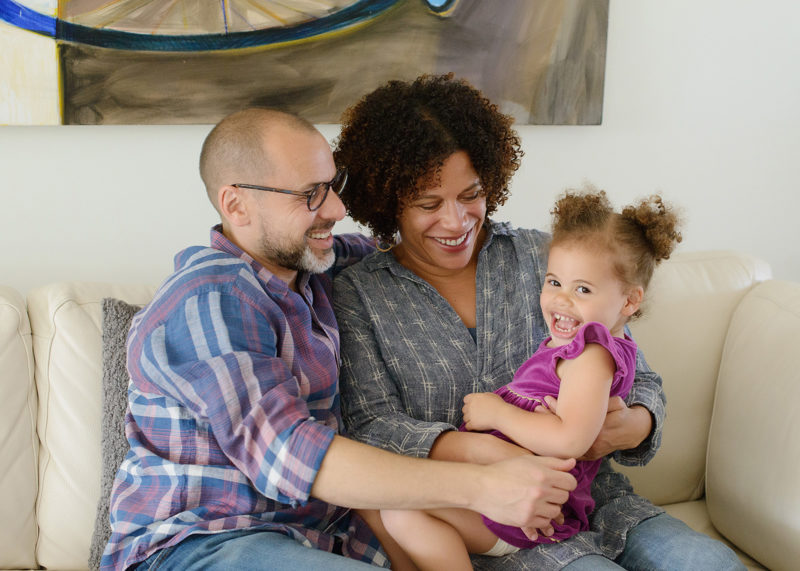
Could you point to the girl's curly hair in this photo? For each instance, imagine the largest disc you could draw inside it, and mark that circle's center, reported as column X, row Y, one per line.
column 394, row 141
column 639, row 237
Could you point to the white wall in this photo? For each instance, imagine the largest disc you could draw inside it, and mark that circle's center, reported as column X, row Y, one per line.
column 701, row 104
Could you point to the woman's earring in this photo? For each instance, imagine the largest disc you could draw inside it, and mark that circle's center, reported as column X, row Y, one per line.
column 384, row 247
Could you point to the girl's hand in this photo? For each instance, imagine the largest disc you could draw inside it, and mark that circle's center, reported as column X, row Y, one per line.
column 481, row 410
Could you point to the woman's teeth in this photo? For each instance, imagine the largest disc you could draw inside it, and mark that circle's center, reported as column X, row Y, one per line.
column 454, row 242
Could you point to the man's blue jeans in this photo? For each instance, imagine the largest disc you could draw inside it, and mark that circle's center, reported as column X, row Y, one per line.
column 664, row 543
column 246, row 549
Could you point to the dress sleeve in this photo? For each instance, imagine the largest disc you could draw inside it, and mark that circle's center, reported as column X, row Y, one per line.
column 372, row 407
column 647, row 392
column 216, row 356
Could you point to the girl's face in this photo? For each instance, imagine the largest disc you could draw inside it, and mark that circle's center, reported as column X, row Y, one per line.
column 440, row 229
column 580, row 286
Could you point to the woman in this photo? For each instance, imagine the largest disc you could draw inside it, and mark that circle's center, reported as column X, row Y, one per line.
column 451, row 307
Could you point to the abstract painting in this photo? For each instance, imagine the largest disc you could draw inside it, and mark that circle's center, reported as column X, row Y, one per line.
column 194, row 61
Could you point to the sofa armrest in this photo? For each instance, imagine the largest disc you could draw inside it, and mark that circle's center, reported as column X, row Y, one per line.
column 754, row 443
column 18, row 444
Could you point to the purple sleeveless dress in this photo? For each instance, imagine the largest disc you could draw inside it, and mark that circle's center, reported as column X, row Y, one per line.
column 537, row 378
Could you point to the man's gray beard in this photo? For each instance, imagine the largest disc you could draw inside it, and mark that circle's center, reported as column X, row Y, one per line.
column 299, row 259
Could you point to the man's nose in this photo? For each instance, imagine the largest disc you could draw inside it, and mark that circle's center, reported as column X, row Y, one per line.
column 333, row 208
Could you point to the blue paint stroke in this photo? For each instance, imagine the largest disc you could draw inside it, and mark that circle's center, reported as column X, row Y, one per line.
column 28, row 19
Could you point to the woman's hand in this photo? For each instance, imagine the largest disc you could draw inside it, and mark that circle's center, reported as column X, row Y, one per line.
column 481, row 410
column 624, row 427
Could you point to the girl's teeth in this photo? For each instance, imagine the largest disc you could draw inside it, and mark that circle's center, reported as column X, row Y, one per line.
column 565, row 324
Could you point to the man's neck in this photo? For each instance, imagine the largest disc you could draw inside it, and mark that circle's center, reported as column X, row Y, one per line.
column 284, row 274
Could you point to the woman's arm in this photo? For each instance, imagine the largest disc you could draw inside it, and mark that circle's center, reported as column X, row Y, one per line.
column 646, row 399
column 582, row 405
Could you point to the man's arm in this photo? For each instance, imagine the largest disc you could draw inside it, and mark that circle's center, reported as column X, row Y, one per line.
column 526, row 491
column 349, row 249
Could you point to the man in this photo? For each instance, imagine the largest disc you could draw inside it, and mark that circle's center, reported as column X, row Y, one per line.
column 235, row 459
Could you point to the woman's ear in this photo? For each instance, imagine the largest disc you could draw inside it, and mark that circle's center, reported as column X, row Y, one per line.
column 633, row 301
column 233, row 205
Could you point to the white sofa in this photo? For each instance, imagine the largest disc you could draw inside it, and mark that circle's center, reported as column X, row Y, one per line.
column 719, row 330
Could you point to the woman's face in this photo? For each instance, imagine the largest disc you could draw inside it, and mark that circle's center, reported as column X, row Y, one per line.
column 439, row 230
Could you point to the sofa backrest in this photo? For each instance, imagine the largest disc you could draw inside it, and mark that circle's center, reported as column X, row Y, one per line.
column 66, row 319
column 689, row 307
column 753, row 497
column 18, row 445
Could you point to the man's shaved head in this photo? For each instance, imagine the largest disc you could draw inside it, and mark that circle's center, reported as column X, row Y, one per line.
column 237, row 149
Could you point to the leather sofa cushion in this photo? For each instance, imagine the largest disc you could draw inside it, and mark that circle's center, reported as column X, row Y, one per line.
column 753, row 493
column 18, row 444
column 68, row 348
column 682, row 338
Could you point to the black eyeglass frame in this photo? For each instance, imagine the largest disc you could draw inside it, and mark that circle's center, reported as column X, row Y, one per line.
column 340, row 180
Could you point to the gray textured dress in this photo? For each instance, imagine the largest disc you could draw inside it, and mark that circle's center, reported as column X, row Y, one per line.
column 408, row 360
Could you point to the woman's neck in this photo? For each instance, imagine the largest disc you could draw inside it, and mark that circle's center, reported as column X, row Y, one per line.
column 456, row 285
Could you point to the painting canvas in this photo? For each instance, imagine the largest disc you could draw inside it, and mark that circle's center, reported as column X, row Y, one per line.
column 194, row 61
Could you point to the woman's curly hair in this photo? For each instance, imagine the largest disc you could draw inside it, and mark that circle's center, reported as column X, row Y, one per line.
column 394, row 141
column 639, row 237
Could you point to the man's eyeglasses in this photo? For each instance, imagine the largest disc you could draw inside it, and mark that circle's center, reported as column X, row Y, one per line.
column 314, row 197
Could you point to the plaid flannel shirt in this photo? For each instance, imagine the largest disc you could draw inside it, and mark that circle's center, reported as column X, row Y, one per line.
column 233, row 403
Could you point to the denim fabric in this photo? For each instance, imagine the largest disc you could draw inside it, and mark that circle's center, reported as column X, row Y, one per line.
column 246, row 549
column 663, row 543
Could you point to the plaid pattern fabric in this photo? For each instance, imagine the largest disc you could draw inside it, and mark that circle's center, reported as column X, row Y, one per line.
column 233, row 403
column 408, row 360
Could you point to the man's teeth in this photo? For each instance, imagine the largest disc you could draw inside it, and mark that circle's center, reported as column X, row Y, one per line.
column 319, row 235
column 456, row 242
column 564, row 323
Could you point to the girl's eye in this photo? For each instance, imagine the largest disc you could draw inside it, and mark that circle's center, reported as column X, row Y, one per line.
column 553, row 283
column 583, row 289
column 472, row 197
column 429, row 207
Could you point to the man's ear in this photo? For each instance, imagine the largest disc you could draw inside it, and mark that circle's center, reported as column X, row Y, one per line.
column 233, row 205
column 633, row 301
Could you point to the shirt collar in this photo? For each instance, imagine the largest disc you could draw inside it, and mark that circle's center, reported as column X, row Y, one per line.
column 220, row 242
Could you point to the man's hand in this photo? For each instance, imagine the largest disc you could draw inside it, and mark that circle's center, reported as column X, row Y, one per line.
column 481, row 409
column 624, row 428
column 526, row 491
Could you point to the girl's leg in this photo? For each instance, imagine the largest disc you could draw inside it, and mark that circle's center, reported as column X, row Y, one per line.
column 397, row 555
column 439, row 539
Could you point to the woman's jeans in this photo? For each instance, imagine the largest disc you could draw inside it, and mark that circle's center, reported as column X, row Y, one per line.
column 664, row 543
